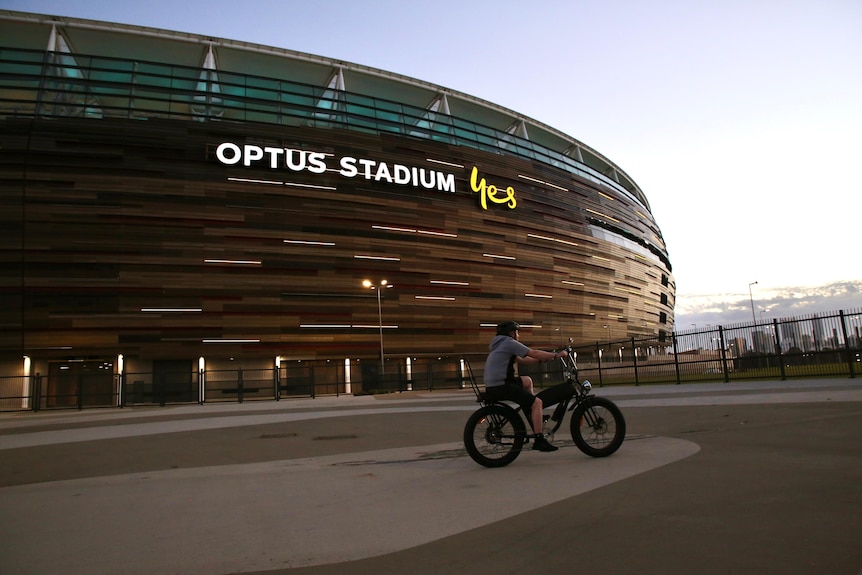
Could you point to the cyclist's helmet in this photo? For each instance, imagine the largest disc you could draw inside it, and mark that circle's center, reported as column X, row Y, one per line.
column 507, row 327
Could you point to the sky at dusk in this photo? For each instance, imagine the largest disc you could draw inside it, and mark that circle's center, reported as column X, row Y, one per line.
column 740, row 120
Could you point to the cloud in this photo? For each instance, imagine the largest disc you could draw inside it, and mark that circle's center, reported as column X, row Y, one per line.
column 769, row 303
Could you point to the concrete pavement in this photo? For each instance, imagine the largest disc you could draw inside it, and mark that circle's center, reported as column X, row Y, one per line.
column 381, row 484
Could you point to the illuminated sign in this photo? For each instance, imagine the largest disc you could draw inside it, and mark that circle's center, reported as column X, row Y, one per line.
column 491, row 192
column 249, row 155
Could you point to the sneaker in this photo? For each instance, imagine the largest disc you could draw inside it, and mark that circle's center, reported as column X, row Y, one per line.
column 541, row 444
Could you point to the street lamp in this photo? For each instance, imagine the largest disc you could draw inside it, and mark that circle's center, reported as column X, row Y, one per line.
column 751, row 298
column 370, row 285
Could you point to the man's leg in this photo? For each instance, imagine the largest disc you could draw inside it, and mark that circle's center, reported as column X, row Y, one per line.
column 537, row 415
column 536, row 409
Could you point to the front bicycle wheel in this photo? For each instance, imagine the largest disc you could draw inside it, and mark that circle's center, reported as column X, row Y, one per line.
column 494, row 435
column 598, row 427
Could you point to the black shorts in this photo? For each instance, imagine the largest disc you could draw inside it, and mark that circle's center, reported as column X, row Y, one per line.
column 512, row 391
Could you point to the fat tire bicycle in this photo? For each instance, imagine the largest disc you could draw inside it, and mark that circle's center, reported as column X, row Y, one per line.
column 496, row 432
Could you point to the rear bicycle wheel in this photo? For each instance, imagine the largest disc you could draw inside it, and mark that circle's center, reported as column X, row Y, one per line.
column 598, row 427
column 494, row 435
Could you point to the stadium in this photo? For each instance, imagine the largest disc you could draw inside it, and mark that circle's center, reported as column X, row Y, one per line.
column 175, row 205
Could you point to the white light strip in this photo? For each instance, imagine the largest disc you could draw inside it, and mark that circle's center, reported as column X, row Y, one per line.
column 412, row 231
column 538, row 237
column 628, row 290
column 568, row 243
column 434, row 297
column 171, row 309
column 601, row 258
column 230, row 341
column 432, row 160
column 448, row 283
column 297, row 185
column 603, row 215
column 394, row 229
column 499, row 257
column 343, row 326
column 572, row 283
column 604, row 195
column 544, row 183
column 529, row 325
column 381, row 258
column 246, row 262
column 309, row 243
column 248, row 181
column 443, row 234
column 539, row 295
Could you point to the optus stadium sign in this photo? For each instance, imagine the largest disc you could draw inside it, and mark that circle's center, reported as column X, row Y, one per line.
column 249, row 155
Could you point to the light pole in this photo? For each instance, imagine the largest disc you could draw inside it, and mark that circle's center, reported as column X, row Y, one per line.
column 370, row 285
column 751, row 299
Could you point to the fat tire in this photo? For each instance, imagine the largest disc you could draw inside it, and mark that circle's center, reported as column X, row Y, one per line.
column 598, row 427
column 494, row 435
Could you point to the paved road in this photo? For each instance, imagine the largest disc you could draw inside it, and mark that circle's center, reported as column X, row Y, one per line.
column 762, row 477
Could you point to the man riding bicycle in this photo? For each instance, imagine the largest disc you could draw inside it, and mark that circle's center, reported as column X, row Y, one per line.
column 501, row 383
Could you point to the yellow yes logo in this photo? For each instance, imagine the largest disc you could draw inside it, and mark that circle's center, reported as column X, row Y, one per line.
column 491, row 192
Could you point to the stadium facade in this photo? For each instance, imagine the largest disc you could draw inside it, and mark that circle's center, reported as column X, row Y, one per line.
column 176, row 199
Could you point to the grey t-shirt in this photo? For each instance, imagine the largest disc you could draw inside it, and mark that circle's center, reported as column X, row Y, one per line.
column 503, row 348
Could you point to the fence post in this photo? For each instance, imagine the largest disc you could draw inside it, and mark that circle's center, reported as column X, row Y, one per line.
column 121, row 389
column 847, row 343
column 202, row 385
column 778, row 350
column 239, row 385
column 676, row 358
column 635, row 356
column 162, row 387
column 36, row 392
column 599, row 356
column 723, row 354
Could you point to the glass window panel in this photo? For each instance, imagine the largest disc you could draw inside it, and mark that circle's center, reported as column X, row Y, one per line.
column 356, row 110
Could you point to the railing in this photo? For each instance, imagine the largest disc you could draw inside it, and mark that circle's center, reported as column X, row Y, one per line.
column 35, row 83
column 819, row 345
column 822, row 345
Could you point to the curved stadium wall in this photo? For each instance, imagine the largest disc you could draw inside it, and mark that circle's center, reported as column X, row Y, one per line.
column 167, row 196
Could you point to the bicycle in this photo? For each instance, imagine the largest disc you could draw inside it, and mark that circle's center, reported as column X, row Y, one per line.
column 496, row 432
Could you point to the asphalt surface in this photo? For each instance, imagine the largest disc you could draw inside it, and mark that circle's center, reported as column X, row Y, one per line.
column 747, row 477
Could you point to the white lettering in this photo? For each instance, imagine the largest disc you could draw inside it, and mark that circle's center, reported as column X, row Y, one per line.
column 445, row 182
column 251, row 154
column 316, row 162
column 348, row 167
column 295, row 160
column 402, row 174
column 274, row 153
column 235, row 153
column 368, row 164
column 383, row 173
column 296, row 166
column 430, row 183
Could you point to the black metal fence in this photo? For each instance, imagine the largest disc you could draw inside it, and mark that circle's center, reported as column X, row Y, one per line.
column 304, row 379
column 820, row 345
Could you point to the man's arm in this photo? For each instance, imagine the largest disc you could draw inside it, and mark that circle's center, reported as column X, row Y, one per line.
column 538, row 356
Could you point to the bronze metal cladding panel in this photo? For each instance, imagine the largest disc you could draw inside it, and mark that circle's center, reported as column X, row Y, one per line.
column 143, row 238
